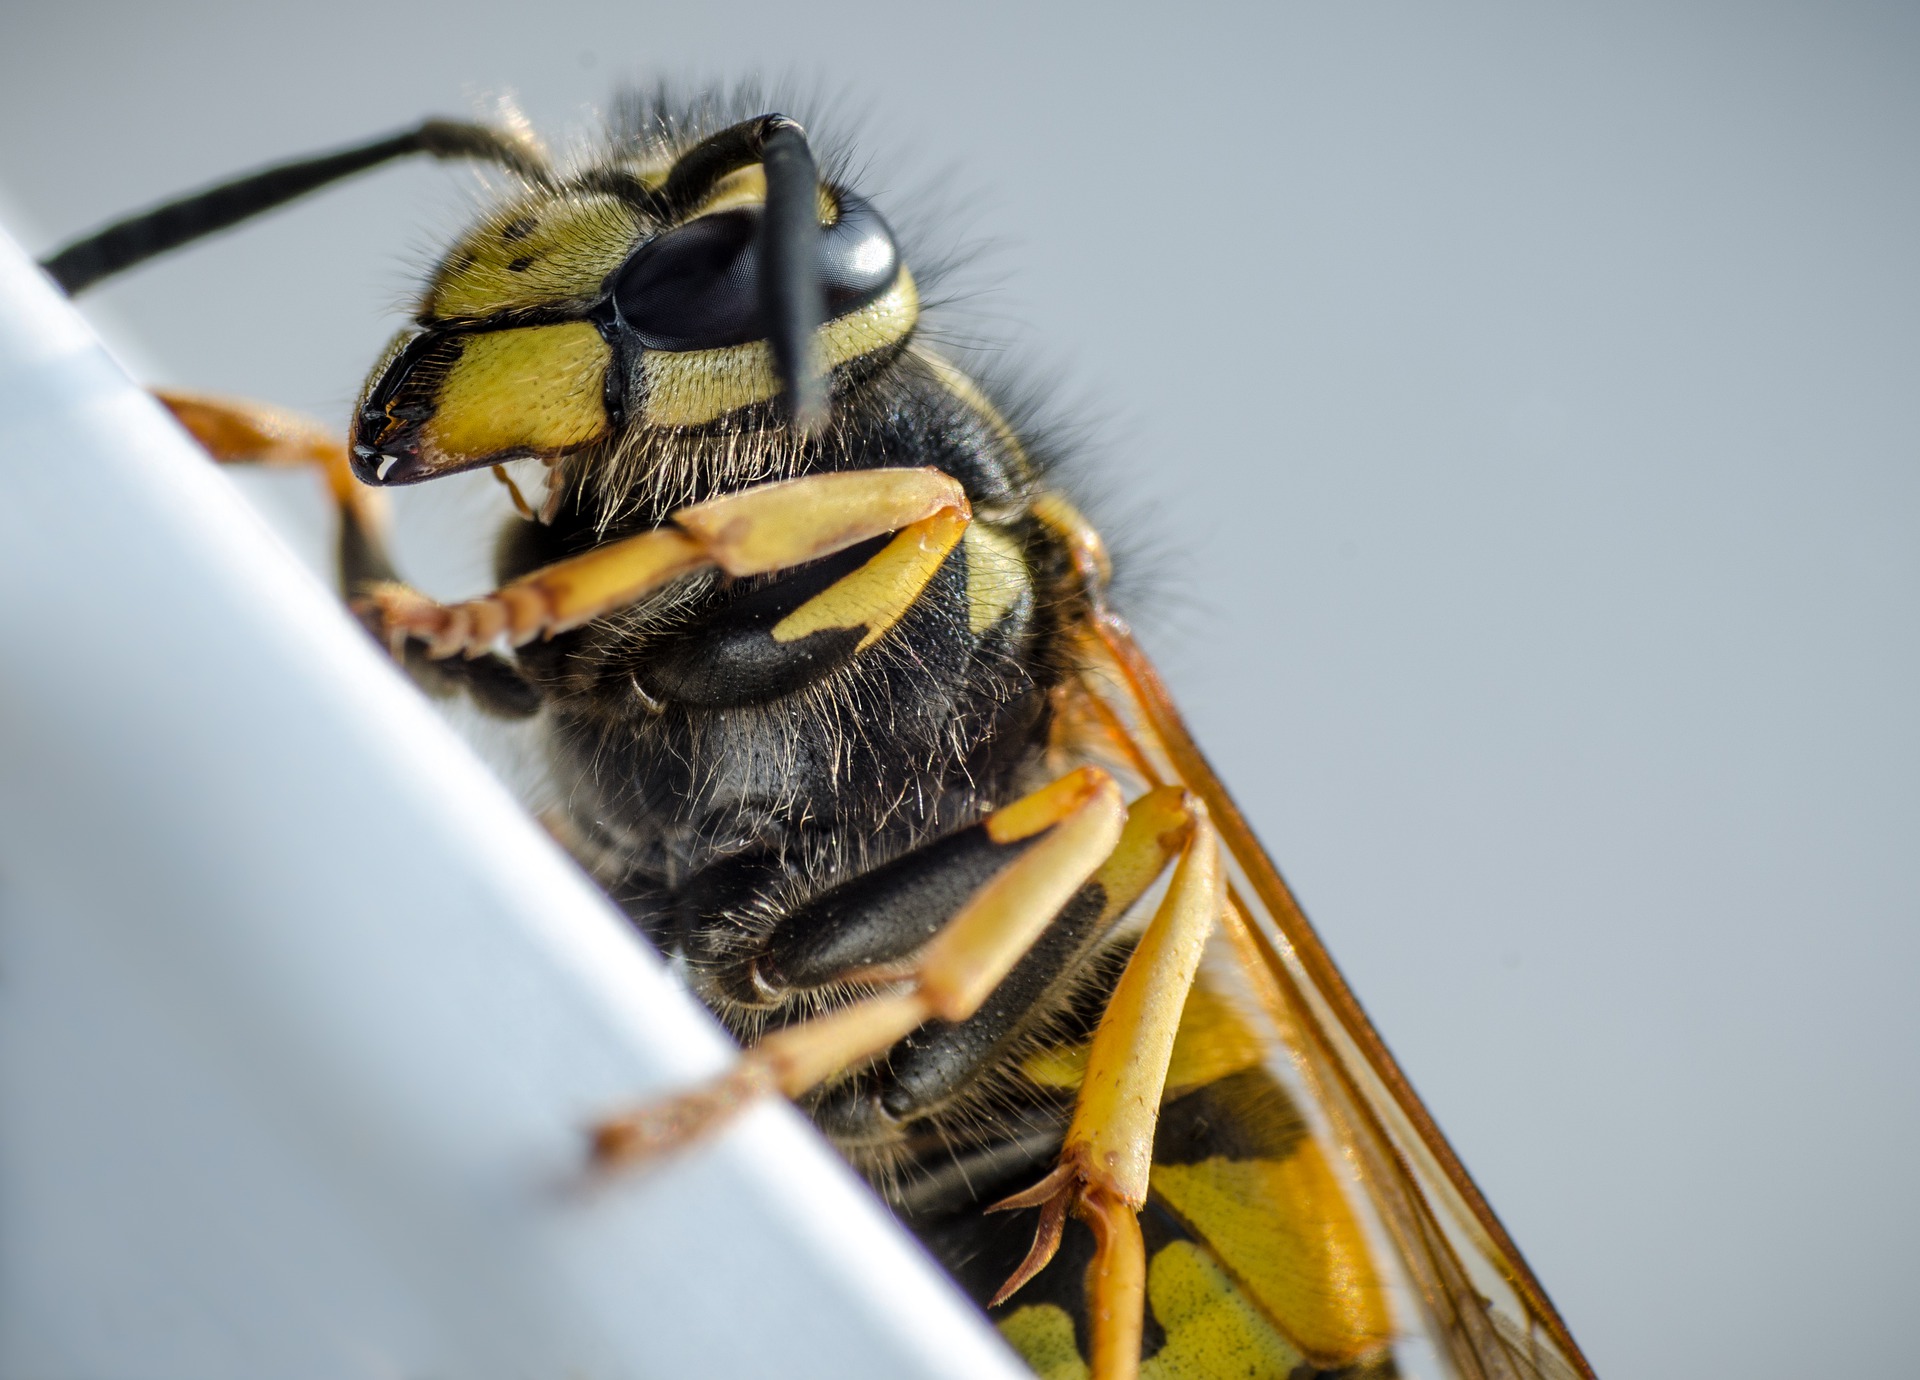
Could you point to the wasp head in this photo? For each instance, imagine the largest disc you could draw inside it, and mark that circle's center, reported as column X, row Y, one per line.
column 661, row 298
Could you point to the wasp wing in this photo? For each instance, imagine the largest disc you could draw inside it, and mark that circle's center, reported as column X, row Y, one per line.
column 1481, row 1311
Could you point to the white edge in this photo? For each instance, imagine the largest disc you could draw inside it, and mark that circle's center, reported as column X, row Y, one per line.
column 301, row 1018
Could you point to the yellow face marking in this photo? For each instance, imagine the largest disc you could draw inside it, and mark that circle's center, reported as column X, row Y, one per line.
column 1212, row 1330
column 878, row 594
column 550, row 251
column 1288, row 1234
column 532, row 388
column 745, row 187
column 996, row 577
column 748, row 187
column 693, row 387
column 1043, row 1335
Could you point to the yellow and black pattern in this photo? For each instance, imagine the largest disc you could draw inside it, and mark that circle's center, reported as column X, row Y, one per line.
column 840, row 716
column 1257, row 1262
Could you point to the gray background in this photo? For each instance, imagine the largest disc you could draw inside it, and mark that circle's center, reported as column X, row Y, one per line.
column 1516, row 405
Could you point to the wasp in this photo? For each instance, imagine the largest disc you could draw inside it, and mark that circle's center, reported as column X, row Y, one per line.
column 844, row 720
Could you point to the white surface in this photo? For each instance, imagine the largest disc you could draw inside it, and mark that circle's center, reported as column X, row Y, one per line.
column 301, row 1019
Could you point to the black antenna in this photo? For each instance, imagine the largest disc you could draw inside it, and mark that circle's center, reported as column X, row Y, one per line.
column 136, row 239
column 791, row 297
column 792, row 302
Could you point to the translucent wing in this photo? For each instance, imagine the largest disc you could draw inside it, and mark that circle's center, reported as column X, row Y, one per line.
column 1477, row 1310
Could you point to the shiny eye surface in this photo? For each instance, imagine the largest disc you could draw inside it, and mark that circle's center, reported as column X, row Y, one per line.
column 858, row 258
column 695, row 288
column 698, row 287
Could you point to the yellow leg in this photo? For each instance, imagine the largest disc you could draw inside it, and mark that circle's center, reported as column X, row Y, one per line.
column 1075, row 822
column 1108, row 1151
column 879, row 593
column 753, row 532
column 1084, row 545
column 237, row 432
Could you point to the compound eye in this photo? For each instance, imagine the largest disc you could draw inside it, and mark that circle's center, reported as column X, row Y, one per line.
column 698, row 287
column 695, row 288
column 858, row 259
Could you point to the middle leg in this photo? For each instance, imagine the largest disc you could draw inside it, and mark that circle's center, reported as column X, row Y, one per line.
column 757, row 531
column 1057, row 837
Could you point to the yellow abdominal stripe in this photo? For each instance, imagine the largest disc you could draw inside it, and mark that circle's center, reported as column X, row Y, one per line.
column 1280, row 1234
column 693, row 387
column 1285, row 1230
column 1211, row 1329
column 526, row 388
column 1043, row 1335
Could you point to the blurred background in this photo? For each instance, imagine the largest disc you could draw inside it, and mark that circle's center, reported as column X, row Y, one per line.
column 1514, row 412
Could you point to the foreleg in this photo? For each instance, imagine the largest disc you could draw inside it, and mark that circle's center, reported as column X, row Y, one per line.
column 237, row 432
column 756, row 531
